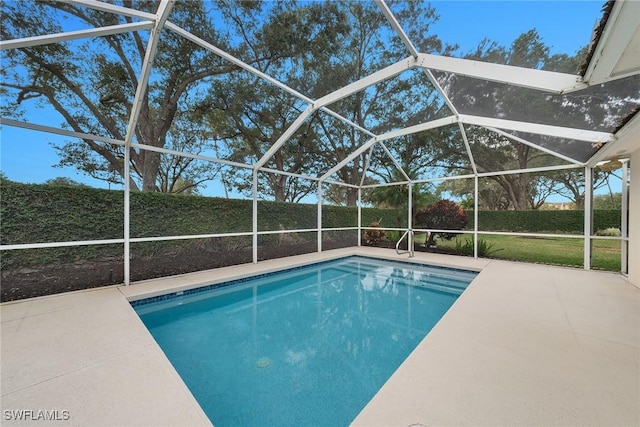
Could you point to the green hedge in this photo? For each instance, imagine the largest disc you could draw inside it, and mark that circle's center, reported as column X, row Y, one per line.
column 41, row 213
column 552, row 221
column 31, row 213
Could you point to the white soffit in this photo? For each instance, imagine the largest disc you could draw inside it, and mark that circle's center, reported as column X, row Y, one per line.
column 626, row 142
column 617, row 53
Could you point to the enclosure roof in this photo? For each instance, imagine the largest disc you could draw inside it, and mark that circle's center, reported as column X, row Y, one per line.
column 570, row 129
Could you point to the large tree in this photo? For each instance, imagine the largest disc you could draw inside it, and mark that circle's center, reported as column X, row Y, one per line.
column 491, row 195
column 332, row 44
column 494, row 152
column 394, row 103
column 571, row 184
column 250, row 114
column 596, row 108
column 91, row 83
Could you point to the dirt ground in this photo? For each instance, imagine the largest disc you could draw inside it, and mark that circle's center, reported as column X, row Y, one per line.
column 30, row 282
column 57, row 278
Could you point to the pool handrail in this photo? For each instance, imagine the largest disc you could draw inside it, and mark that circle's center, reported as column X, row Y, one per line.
column 410, row 250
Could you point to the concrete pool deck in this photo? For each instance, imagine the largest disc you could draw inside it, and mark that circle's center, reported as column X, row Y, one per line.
column 524, row 345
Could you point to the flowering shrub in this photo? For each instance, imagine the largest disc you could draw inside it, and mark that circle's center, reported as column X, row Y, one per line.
column 443, row 215
column 371, row 237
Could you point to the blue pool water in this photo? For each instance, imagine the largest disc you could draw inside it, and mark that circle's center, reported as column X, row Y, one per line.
column 303, row 347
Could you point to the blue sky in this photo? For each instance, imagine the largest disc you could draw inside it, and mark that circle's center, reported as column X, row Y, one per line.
column 565, row 26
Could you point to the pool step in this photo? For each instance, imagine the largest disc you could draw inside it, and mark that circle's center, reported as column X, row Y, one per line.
column 435, row 279
column 425, row 273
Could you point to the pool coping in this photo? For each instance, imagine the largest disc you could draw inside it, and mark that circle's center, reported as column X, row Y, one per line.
column 156, row 287
column 94, row 357
column 172, row 294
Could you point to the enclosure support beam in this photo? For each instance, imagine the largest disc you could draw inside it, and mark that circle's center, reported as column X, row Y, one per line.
column 57, row 131
column 393, row 134
column 163, row 12
column 433, row 124
column 410, row 220
column 127, row 214
column 393, row 160
column 588, row 215
column 555, row 131
column 359, row 217
column 549, row 81
column 161, row 17
column 530, row 170
column 254, row 226
column 468, row 148
column 319, row 216
column 285, row 137
column 536, row 146
column 475, row 216
column 624, row 220
column 367, row 162
column 531, row 78
column 370, row 80
column 112, row 8
column 364, row 147
column 74, row 35
column 397, row 27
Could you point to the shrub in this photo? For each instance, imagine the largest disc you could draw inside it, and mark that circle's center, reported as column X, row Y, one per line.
column 443, row 215
column 484, row 249
column 373, row 236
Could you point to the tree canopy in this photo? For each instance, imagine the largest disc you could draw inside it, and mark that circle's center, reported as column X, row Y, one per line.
column 199, row 103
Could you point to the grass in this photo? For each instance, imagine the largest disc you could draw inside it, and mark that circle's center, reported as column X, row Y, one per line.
column 556, row 251
column 605, row 254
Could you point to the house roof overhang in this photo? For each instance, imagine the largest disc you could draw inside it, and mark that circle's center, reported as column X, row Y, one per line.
column 617, row 52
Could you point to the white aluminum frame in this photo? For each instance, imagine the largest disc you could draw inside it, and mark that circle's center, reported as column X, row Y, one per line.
column 624, row 226
column 588, row 216
column 599, row 70
column 75, row 35
column 548, row 81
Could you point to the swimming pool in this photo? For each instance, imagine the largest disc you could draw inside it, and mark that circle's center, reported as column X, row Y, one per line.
column 307, row 346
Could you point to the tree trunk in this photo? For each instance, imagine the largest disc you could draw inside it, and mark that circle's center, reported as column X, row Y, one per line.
column 280, row 188
column 516, row 188
column 352, row 196
column 150, row 168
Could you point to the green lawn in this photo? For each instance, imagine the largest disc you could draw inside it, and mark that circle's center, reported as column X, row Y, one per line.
column 556, row 251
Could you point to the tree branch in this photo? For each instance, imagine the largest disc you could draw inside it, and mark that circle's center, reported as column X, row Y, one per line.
column 113, row 161
column 75, row 89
